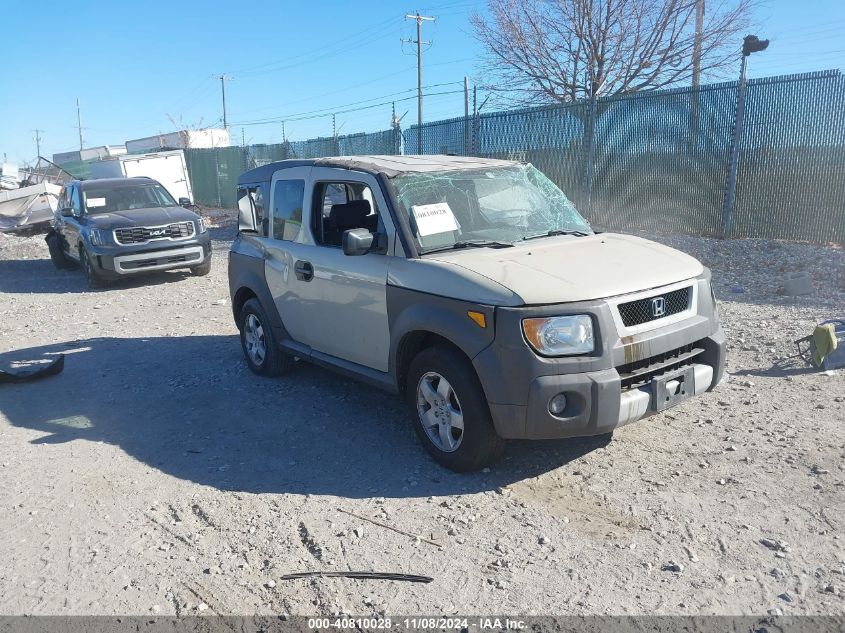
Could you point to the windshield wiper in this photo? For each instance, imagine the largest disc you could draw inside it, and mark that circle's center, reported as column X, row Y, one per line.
column 554, row 232
column 471, row 244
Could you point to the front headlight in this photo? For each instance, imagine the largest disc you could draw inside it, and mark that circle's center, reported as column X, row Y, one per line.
column 560, row 336
column 99, row 237
column 201, row 226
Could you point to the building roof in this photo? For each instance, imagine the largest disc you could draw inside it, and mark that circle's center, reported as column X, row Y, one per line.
column 389, row 165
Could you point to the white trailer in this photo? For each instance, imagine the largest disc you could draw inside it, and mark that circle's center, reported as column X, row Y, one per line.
column 168, row 168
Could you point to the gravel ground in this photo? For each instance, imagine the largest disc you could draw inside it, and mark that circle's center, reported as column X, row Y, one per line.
column 156, row 474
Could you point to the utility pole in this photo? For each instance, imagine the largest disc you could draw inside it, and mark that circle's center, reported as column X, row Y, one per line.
column 38, row 142
column 79, row 125
column 466, row 115
column 419, row 19
column 223, row 79
column 750, row 44
column 696, row 46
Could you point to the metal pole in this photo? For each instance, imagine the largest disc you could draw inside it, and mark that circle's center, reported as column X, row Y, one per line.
column 419, row 86
column 466, row 114
column 474, row 119
column 419, row 20
column 38, row 142
column 733, row 165
column 696, row 47
column 223, row 90
column 79, row 125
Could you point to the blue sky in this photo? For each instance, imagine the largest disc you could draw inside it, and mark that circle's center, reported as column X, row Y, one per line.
column 136, row 66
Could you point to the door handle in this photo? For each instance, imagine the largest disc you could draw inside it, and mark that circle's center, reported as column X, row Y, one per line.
column 303, row 270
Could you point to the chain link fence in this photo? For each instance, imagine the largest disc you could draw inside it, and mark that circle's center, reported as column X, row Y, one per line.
column 653, row 161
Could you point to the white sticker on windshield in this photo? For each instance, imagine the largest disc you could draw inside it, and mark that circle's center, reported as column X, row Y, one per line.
column 93, row 203
column 434, row 218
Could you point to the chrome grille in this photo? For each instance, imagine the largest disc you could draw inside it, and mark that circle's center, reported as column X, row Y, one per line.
column 141, row 234
column 657, row 306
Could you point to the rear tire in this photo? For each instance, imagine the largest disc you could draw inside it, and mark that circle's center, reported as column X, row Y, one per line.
column 203, row 269
column 91, row 275
column 261, row 350
column 57, row 255
column 450, row 411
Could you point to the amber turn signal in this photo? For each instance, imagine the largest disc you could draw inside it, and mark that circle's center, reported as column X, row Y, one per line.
column 478, row 317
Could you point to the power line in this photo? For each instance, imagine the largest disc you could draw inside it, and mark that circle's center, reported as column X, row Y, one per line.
column 318, row 54
column 337, row 108
column 346, row 111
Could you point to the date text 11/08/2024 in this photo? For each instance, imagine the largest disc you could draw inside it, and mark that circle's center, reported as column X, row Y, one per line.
column 417, row 624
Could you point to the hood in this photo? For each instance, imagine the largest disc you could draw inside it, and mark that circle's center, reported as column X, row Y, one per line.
column 153, row 216
column 568, row 268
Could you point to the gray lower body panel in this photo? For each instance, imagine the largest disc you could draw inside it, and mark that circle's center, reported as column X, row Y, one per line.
column 597, row 403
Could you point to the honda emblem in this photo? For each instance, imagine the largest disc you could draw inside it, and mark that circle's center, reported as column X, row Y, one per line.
column 658, row 307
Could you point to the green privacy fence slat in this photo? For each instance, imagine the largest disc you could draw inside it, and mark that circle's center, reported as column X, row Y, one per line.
column 654, row 161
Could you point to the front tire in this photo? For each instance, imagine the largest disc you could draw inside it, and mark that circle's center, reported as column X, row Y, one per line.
column 57, row 255
column 450, row 411
column 91, row 275
column 203, row 269
column 261, row 350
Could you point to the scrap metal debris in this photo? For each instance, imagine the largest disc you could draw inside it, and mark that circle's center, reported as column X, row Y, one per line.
column 362, row 575
column 26, row 374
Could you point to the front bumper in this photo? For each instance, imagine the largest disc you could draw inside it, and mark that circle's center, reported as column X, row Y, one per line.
column 120, row 261
column 519, row 384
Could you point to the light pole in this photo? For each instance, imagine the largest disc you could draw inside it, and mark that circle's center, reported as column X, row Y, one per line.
column 750, row 44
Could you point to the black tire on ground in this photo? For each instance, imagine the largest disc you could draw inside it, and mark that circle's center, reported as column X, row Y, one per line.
column 91, row 276
column 203, row 269
column 57, row 255
column 255, row 329
column 480, row 446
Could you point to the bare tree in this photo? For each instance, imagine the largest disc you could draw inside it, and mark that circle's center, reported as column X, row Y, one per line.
column 564, row 50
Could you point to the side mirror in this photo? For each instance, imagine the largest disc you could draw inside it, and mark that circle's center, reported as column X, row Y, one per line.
column 357, row 242
column 185, row 202
column 67, row 212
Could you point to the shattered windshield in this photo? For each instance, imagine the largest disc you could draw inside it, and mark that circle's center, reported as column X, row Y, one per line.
column 499, row 206
column 126, row 198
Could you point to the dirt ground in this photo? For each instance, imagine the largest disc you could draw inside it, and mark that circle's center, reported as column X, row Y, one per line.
column 156, row 474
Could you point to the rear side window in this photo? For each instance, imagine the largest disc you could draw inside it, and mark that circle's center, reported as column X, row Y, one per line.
column 251, row 198
column 287, row 208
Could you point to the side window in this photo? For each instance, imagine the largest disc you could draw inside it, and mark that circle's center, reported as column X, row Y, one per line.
column 251, row 199
column 63, row 199
column 75, row 201
column 287, row 208
column 340, row 206
column 258, row 202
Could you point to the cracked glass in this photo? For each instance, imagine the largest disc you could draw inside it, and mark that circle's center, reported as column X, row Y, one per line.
column 502, row 205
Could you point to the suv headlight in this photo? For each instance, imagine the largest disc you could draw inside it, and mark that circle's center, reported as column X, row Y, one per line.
column 99, row 237
column 201, row 226
column 560, row 336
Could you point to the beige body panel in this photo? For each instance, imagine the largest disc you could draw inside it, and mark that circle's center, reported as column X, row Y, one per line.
column 563, row 269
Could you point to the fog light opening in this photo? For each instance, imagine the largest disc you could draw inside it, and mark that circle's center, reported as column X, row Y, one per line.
column 557, row 404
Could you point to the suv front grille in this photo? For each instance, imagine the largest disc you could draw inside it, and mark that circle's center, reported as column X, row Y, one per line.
column 658, row 306
column 140, row 234
column 642, row 371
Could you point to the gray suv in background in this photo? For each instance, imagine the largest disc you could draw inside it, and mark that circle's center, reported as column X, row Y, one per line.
column 475, row 290
column 118, row 227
